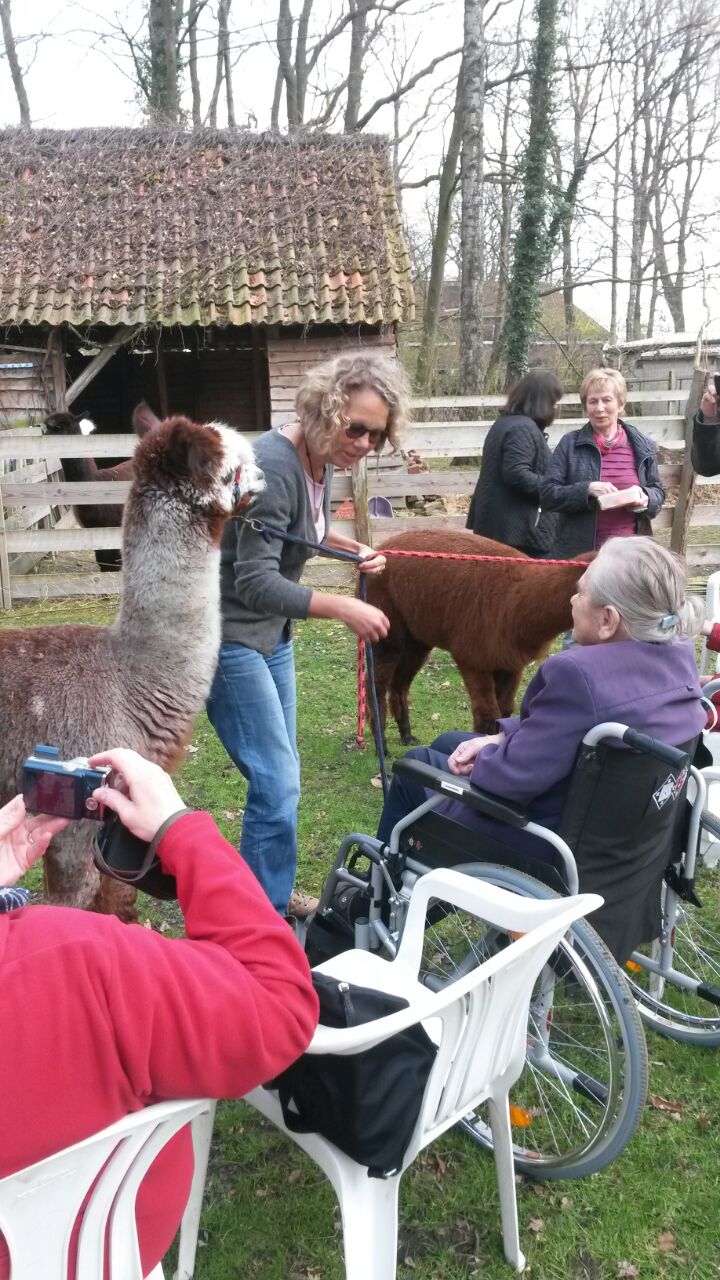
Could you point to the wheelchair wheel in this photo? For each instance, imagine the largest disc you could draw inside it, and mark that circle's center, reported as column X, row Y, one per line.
column 668, row 1007
column 581, row 1095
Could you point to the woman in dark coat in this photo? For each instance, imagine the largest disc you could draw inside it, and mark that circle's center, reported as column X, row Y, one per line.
column 506, row 502
column 605, row 456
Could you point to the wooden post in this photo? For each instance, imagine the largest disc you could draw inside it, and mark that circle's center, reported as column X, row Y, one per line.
column 5, row 599
column 99, row 361
column 56, row 356
column 686, row 491
column 360, row 502
column 259, row 364
column 162, row 380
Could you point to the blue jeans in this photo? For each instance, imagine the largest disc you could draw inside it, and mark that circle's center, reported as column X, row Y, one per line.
column 252, row 708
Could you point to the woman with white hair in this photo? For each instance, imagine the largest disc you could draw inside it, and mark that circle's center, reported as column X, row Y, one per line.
column 346, row 408
column 607, row 456
column 633, row 662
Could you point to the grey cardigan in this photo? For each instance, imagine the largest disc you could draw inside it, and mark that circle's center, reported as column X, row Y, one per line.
column 259, row 579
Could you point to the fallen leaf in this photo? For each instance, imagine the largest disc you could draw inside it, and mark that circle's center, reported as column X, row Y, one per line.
column 566, row 1202
column 191, row 750
column 441, row 1165
column 376, row 781
column 704, row 1121
column 536, row 1225
column 626, row 1271
column 665, row 1104
column 435, row 717
column 666, row 1242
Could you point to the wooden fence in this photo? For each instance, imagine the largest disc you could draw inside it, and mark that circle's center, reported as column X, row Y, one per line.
column 30, row 492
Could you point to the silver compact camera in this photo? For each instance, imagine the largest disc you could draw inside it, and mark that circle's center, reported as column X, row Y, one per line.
column 63, row 788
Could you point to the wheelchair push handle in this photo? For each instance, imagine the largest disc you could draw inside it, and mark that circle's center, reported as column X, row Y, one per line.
column 643, row 742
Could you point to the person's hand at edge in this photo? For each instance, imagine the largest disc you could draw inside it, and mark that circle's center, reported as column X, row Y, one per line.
column 148, row 797
column 23, row 839
column 597, row 488
column 709, row 405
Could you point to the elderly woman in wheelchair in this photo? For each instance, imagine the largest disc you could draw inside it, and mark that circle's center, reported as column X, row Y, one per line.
column 585, row 788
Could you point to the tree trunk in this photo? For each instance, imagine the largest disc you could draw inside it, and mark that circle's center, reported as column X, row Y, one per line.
column 533, row 242
column 425, row 370
column 193, row 65
column 14, row 65
column 284, row 47
column 472, row 223
column 224, row 50
column 359, row 10
column 164, row 99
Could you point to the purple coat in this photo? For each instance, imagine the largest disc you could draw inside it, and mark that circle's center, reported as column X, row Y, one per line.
column 653, row 688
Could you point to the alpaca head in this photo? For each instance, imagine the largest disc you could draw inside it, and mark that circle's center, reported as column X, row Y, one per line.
column 66, row 424
column 209, row 468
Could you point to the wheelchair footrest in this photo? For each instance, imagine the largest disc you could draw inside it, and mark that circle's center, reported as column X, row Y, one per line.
column 710, row 992
column 683, row 886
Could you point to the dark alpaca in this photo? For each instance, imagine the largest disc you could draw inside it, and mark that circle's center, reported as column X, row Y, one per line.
column 493, row 619
column 141, row 681
column 86, row 470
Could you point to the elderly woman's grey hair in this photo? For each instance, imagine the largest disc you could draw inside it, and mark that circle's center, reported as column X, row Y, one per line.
column 648, row 586
column 322, row 396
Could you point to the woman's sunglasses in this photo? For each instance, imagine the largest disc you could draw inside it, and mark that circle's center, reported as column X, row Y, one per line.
column 356, row 430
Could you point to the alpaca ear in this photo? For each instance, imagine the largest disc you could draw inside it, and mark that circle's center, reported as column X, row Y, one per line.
column 143, row 419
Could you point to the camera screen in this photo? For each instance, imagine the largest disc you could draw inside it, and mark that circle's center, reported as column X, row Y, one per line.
column 49, row 793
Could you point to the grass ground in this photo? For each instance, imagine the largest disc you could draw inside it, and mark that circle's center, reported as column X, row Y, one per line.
column 270, row 1214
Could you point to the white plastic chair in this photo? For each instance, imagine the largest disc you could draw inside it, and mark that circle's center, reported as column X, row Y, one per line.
column 39, row 1205
column 480, row 1024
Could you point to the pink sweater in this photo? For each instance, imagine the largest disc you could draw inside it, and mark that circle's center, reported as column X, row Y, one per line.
column 101, row 1019
column 618, row 468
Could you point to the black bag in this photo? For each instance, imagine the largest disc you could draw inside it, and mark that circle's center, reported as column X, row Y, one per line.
column 366, row 1103
column 120, row 854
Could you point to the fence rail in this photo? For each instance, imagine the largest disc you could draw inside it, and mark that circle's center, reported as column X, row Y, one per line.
column 28, row 496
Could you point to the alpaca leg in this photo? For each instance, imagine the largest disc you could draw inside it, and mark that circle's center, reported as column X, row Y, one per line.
column 481, row 689
column 506, row 687
column 71, row 877
column 114, row 898
column 411, row 660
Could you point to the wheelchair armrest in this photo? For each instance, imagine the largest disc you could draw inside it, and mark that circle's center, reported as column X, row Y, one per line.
column 463, row 790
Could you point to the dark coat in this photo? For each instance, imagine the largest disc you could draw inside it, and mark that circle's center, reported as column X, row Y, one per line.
column 575, row 463
column 506, row 502
column 706, row 447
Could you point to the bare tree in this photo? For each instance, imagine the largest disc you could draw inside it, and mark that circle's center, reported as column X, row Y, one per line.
column 14, row 64
column 472, row 100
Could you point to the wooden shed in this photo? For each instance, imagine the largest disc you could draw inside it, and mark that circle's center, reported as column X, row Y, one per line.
column 202, row 272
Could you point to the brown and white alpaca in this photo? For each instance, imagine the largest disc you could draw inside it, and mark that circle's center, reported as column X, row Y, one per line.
column 86, row 470
column 493, row 618
column 141, row 681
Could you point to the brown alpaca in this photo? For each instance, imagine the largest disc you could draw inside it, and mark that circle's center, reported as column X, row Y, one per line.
column 140, row 682
column 493, row 619
column 97, row 516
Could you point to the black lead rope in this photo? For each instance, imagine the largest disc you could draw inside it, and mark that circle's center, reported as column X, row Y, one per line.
column 267, row 532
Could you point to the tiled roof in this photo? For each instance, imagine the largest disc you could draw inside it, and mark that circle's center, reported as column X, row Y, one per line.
column 125, row 227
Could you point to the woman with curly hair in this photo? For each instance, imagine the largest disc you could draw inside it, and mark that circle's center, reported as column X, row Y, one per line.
column 346, row 408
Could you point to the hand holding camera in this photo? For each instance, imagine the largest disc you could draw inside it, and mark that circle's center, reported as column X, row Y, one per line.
column 140, row 793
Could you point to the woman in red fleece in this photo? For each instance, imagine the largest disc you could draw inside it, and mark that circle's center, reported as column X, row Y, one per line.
column 103, row 1018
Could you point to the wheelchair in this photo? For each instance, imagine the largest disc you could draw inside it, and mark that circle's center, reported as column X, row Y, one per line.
column 626, row 826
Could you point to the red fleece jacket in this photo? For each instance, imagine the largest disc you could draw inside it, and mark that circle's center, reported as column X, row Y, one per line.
column 100, row 1018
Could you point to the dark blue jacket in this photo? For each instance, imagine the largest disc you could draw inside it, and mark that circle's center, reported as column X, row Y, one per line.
column 575, row 463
